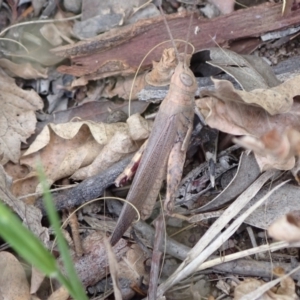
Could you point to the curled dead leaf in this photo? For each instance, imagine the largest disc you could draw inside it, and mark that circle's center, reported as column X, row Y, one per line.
column 274, row 150
column 139, row 128
column 117, row 148
column 251, row 72
column 132, row 268
column 286, row 291
column 163, row 70
column 72, row 148
column 286, row 228
column 274, row 100
column 242, row 119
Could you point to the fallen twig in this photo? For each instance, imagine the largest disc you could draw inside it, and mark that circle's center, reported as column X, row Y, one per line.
column 88, row 189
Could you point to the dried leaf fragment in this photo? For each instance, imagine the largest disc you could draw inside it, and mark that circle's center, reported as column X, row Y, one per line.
column 117, row 148
column 286, row 291
column 17, row 118
column 241, row 119
column 163, row 70
column 13, row 282
column 30, row 215
column 286, row 228
column 80, row 149
column 274, row 100
column 274, row 150
column 251, row 72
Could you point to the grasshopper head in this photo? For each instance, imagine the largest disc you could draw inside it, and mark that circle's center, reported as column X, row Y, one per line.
column 184, row 80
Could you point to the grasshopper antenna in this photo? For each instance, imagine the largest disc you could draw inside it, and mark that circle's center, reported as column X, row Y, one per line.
column 169, row 32
column 189, row 29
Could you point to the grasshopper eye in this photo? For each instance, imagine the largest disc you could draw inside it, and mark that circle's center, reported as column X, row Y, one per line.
column 186, row 79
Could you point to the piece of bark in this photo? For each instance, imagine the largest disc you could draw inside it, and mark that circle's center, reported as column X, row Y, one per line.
column 94, row 58
column 284, row 70
column 93, row 265
column 88, row 189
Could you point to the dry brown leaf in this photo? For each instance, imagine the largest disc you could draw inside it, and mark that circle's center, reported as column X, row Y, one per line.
column 25, row 71
column 274, row 100
column 284, row 201
column 37, row 278
column 139, row 128
column 163, row 70
column 160, row 75
column 286, row 291
column 60, row 157
column 132, row 266
column 274, row 150
column 251, row 72
column 65, row 148
column 286, row 228
column 15, row 171
column 132, row 270
column 247, row 286
column 101, row 132
column 59, row 294
column 262, row 114
column 238, row 119
column 287, row 285
column 17, row 118
column 117, row 148
column 121, row 87
column 30, row 215
column 13, row 282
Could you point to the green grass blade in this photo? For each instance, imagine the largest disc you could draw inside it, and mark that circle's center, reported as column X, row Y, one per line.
column 26, row 243
column 77, row 288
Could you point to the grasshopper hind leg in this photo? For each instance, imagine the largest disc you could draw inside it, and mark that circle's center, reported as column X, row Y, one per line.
column 175, row 166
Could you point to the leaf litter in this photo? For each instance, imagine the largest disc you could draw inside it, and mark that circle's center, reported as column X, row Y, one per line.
column 263, row 110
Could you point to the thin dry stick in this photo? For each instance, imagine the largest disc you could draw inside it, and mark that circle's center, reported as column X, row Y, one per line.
column 202, row 250
column 73, row 222
column 260, row 249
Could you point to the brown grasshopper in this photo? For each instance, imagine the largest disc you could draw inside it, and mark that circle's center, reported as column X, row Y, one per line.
column 165, row 150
